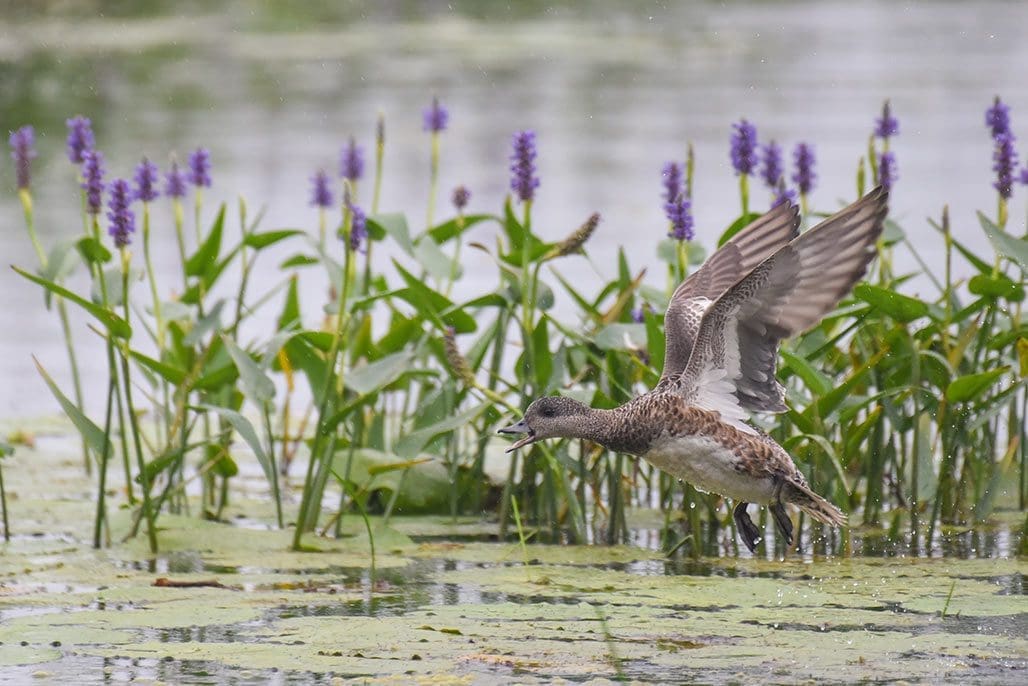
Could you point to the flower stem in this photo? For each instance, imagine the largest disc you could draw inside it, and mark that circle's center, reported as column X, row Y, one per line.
column 433, row 178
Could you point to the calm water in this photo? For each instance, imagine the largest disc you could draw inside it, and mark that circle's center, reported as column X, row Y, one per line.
column 612, row 92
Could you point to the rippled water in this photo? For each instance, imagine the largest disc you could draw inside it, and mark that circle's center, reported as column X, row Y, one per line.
column 613, row 91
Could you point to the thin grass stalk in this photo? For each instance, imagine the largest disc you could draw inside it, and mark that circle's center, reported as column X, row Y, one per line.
column 101, row 495
column 276, row 493
column 3, row 506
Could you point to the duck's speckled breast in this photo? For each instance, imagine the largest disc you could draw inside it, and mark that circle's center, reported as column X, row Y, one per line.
column 709, row 466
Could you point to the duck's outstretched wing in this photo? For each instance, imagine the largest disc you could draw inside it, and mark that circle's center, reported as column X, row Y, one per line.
column 732, row 366
column 732, row 261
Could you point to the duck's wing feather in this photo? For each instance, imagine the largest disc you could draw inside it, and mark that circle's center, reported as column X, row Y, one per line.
column 732, row 366
column 734, row 260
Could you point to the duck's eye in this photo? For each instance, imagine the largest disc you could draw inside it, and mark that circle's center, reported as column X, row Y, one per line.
column 549, row 412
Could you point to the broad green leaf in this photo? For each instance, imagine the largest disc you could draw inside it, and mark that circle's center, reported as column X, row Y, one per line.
column 263, row 240
column 813, row 378
column 394, row 224
column 970, row 386
column 380, row 373
column 169, row 373
column 117, row 326
column 92, row 434
column 1014, row 249
column 621, row 336
column 457, row 226
column 210, row 322
column 412, row 443
column 996, row 286
column 256, row 386
column 92, row 251
column 208, row 252
column 437, row 263
column 432, row 304
column 248, row 433
column 298, row 261
column 902, row 308
column 543, row 362
column 290, row 315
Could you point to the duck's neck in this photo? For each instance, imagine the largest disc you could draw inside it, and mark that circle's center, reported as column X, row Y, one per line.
column 609, row 429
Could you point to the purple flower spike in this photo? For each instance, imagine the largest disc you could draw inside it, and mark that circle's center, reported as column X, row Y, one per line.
column 997, row 118
column 1024, row 176
column 122, row 220
column 461, row 196
column 887, row 174
column 436, row 117
column 772, row 169
column 351, row 161
column 783, row 195
column 887, row 125
column 321, row 193
column 146, row 181
column 358, row 227
column 672, row 177
column 523, row 179
column 744, row 148
column 23, row 149
column 175, row 182
column 804, row 177
column 80, row 138
column 679, row 213
column 93, row 180
column 200, row 167
column 1005, row 158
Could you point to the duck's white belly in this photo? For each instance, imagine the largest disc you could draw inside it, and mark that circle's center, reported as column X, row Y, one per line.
column 709, row 466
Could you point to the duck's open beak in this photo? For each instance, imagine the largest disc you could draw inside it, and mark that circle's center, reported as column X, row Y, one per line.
column 520, row 427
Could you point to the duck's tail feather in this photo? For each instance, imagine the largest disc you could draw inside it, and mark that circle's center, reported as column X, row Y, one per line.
column 813, row 504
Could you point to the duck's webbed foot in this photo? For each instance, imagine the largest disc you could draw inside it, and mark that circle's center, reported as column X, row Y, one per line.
column 747, row 529
column 782, row 520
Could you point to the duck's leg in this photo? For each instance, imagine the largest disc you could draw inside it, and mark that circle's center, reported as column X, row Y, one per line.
column 782, row 520
column 747, row 529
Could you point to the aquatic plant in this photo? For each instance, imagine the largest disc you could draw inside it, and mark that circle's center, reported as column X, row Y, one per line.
column 908, row 410
column 80, row 139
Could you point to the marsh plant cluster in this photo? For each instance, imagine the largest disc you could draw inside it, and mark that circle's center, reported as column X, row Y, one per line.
column 907, row 412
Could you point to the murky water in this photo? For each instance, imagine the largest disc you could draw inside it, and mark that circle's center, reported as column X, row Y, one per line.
column 614, row 91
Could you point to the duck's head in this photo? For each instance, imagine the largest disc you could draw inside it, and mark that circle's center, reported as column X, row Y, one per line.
column 549, row 417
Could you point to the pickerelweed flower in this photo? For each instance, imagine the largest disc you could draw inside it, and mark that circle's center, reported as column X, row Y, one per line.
column 175, row 181
column 771, row 170
column 145, row 178
column 744, row 148
column 887, row 173
column 997, row 118
column 671, row 175
column 461, row 196
column 522, row 166
column 23, row 142
column 1005, row 159
column 804, row 177
column 351, row 161
column 358, row 227
column 887, row 125
column 436, row 117
column 93, row 180
column 1024, row 176
column 200, row 167
column 783, row 195
column 122, row 220
column 80, row 138
column 679, row 213
column 321, row 192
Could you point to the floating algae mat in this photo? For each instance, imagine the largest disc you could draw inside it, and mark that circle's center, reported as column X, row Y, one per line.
column 231, row 604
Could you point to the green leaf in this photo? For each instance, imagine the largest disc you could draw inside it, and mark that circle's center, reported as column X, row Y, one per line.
column 1014, row 249
column 93, row 251
column 380, row 373
column 169, row 373
column 117, row 326
column 621, row 336
column 92, row 434
column 394, row 224
column 996, row 286
column 412, row 443
column 210, row 322
column 256, row 386
column 902, row 308
column 456, row 226
column 246, row 431
column 290, row 315
column 208, row 252
column 543, row 359
column 263, row 240
column 298, row 261
column 813, row 378
column 970, row 386
column 432, row 304
column 423, row 485
column 437, row 263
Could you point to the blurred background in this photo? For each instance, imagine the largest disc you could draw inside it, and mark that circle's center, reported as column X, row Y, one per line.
column 613, row 88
